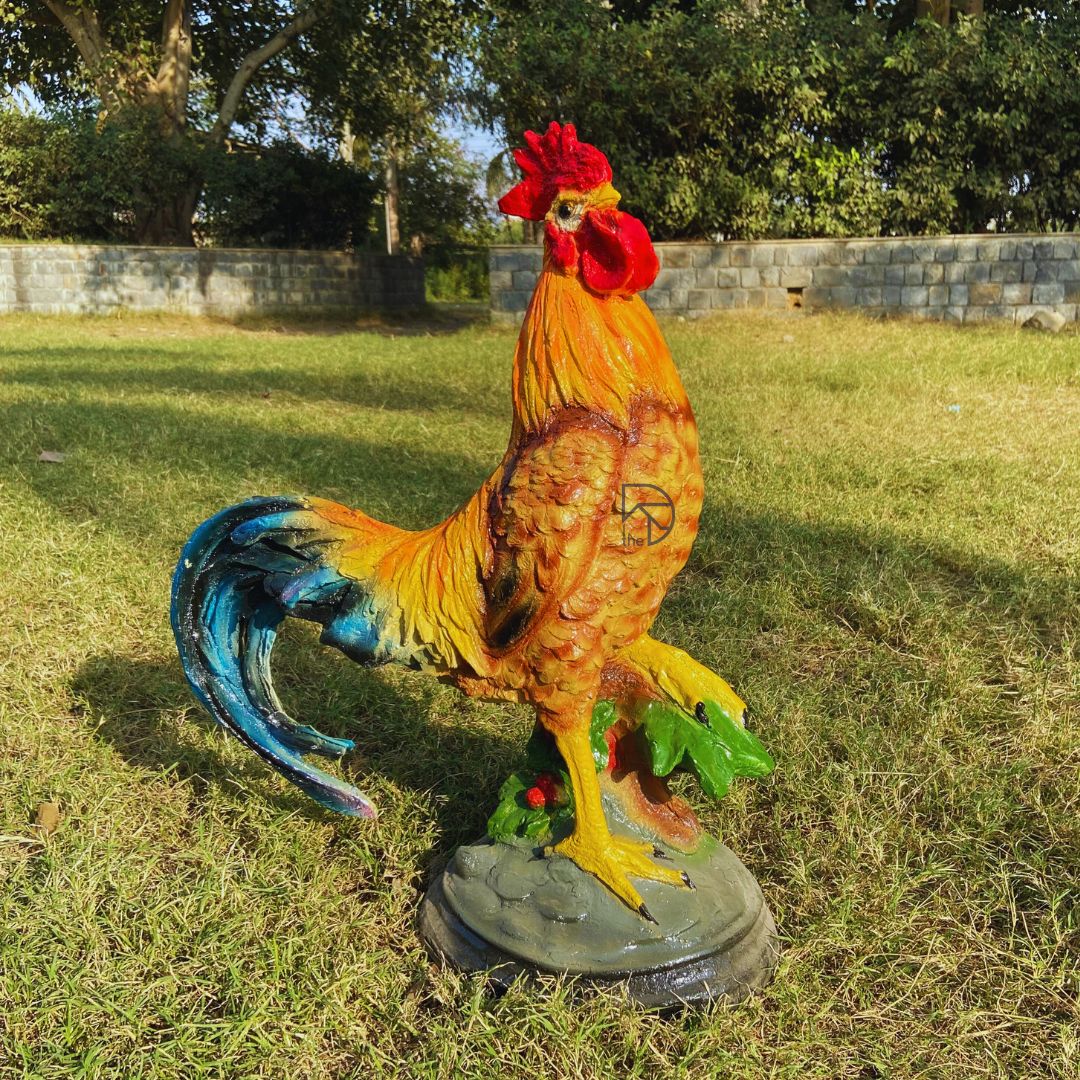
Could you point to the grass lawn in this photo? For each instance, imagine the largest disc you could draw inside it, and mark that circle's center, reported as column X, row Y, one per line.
column 887, row 570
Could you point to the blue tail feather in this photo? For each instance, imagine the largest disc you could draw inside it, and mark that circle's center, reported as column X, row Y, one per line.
column 241, row 573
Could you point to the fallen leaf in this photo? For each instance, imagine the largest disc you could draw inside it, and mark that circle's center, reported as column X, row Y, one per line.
column 48, row 817
column 52, row 456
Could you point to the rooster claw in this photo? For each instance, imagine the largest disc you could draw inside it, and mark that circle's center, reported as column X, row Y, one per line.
column 659, row 853
column 687, row 882
column 644, row 912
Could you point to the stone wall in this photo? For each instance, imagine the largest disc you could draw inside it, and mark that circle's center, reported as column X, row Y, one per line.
column 958, row 278
column 74, row 278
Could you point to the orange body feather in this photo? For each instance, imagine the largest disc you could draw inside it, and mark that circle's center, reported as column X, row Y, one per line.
column 529, row 590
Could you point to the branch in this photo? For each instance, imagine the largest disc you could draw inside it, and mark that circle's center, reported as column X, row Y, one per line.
column 252, row 62
column 82, row 27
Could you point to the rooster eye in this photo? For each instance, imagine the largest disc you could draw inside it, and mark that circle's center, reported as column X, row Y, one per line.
column 568, row 216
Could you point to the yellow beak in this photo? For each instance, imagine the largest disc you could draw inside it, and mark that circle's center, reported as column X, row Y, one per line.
column 605, row 197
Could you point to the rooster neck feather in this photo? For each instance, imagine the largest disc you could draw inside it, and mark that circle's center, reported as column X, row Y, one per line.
column 578, row 349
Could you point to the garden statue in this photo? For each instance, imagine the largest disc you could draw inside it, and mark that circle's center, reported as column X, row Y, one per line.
column 540, row 589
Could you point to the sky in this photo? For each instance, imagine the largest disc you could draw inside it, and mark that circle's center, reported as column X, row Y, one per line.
column 478, row 143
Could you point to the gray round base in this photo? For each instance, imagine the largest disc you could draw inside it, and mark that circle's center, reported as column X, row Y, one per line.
column 509, row 911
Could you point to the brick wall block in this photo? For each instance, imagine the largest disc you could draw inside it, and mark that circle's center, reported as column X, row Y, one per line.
column 806, row 255
column 675, row 257
column 1049, row 293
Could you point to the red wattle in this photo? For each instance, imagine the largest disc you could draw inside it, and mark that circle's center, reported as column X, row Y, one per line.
column 561, row 245
column 617, row 256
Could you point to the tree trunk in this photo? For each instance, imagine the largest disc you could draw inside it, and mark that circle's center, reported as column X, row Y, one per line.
column 170, row 223
column 938, row 10
column 346, row 144
column 393, row 204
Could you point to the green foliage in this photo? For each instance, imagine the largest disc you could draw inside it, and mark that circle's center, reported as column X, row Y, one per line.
column 514, row 819
column 284, row 196
column 387, row 68
column 379, row 64
column 717, row 748
column 440, row 199
column 444, row 216
column 604, row 715
column 792, row 119
column 27, row 169
column 982, row 124
column 69, row 177
column 383, row 67
column 456, row 274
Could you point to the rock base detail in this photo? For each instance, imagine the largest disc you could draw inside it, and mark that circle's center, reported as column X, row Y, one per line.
column 511, row 911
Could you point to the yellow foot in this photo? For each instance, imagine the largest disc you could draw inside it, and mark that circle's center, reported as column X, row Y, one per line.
column 614, row 861
column 682, row 678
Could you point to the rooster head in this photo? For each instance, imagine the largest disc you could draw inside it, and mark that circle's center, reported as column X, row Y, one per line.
column 567, row 185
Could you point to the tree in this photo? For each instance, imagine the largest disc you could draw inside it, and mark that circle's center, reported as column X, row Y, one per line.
column 192, row 69
column 718, row 119
column 806, row 117
column 420, row 65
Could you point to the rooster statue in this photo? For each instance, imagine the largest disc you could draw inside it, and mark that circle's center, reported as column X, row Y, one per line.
column 533, row 591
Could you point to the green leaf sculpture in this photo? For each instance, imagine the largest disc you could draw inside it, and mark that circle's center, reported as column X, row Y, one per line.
column 712, row 744
column 515, row 819
column 603, row 716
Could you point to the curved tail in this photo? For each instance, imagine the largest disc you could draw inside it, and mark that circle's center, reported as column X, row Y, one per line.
column 239, row 575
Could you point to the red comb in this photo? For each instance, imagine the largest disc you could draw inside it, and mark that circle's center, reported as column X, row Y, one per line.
column 553, row 162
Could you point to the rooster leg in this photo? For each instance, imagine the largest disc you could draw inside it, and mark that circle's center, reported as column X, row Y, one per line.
column 614, row 860
column 681, row 677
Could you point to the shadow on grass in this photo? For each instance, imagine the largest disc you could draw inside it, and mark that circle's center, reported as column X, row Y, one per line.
column 435, row 318
column 855, row 575
column 150, row 717
column 862, row 593
column 120, row 369
column 110, row 444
